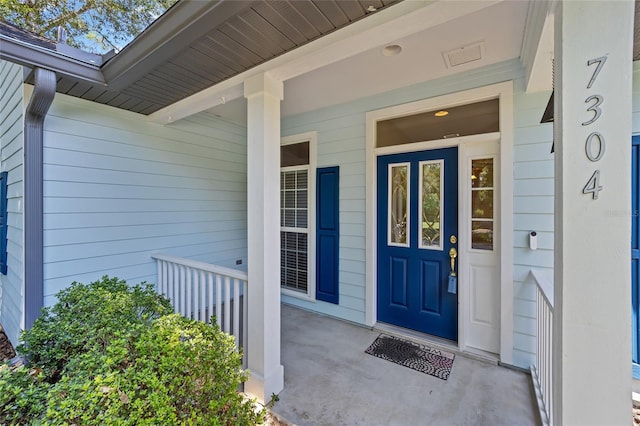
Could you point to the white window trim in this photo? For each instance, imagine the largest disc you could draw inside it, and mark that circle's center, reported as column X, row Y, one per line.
column 312, row 138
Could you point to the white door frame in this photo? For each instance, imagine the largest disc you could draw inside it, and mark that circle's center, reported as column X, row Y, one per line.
column 502, row 91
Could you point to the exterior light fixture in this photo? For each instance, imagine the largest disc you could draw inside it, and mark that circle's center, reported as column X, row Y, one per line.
column 441, row 113
column 391, row 50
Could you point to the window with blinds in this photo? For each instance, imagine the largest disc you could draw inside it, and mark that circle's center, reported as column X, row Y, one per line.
column 294, row 216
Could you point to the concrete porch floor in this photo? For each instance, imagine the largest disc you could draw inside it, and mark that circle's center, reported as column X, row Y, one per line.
column 329, row 380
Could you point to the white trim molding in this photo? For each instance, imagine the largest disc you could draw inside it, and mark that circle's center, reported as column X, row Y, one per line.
column 502, row 91
column 312, row 138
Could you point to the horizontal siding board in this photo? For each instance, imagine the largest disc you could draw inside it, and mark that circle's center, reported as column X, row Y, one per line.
column 119, row 188
column 533, row 222
column 71, row 173
column 133, row 219
column 533, row 169
column 11, row 142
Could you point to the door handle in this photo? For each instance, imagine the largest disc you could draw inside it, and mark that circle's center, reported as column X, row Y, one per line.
column 453, row 253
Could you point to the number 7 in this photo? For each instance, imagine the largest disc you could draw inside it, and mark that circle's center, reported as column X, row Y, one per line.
column 601, row 60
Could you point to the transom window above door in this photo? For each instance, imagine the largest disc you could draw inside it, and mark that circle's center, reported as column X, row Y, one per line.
column 463, row 120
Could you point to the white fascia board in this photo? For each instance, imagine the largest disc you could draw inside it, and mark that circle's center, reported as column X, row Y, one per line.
column 396, row 22
column 536, row 54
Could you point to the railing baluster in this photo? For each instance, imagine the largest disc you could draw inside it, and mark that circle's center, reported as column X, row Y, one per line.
column 236, row 310
column 160, row 283
column 245, row 316
column 218, row 300
column 542, row 373
column 189, row 287
column 227, row 302
column 202, row 314
column 183, row 290
column 196, row 291
column 211, row 288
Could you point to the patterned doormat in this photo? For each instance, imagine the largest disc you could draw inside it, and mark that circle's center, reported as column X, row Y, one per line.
column 413, row 355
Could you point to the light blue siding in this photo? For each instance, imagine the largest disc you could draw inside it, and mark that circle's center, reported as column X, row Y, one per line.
column 341, row 141
column 11, row 141
column 533, row 190
column 118, row 188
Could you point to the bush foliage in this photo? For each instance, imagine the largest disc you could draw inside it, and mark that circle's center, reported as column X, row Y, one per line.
column 107, row 353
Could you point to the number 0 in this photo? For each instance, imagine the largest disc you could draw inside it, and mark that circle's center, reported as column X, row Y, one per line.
column 588, row 146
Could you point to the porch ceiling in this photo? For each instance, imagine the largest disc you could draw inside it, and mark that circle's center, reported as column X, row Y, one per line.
column 215, row 40
column 219, row 41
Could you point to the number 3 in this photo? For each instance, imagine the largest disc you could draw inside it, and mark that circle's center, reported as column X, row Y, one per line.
column 595, row 108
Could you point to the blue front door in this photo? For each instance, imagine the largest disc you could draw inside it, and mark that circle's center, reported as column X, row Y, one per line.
column 635, row 253
column 417, row 229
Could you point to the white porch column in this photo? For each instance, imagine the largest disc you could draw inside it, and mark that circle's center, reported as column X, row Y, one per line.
column 263, row 222
column 592, row 313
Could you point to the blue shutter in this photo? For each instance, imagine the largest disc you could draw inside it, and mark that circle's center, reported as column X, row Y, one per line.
column 635, row 254
column 3, row 222
column 327, row 234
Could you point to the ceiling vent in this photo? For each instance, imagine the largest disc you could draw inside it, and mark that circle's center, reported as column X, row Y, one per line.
column 464, row 54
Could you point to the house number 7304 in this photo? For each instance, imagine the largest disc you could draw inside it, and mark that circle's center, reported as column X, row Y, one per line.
column 594, row 145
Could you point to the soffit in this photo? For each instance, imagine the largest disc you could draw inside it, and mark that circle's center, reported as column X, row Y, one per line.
column 238, row 35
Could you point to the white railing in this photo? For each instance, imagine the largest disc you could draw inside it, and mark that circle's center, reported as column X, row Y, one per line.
column 200, row 291
column 542, row 372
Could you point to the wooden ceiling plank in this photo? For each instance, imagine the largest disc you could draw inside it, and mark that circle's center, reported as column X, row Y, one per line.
column 130, row 104
column 106, row 97
column 266, row 30
column 94, row 92
column 200, row 61
column 375, row 3
column 149, row 90
column 224, row 64
column 286, row 27
column 352, row 9
column 310, row 11
column 177, row 84
column 143, row 105
column 79, row 89
column 244, row 30
column 170, row 68
column 331, row 10
column 291, row 14
column 118, row 100
column 150, row 110
column 238, row 50
column 65, row 84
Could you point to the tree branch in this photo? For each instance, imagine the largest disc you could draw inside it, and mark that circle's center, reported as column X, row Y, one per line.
column 64, row 18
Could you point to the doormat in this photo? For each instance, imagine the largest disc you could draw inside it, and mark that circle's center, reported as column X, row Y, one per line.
column 413, row 355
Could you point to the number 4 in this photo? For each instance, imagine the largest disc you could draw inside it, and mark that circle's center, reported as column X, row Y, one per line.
column 593, row 185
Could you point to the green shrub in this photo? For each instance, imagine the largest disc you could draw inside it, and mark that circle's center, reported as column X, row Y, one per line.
column 87, row 317
column 107, row 353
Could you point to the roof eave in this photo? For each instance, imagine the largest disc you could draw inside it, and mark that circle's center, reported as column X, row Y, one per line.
column 185, row 22
column 32, row 56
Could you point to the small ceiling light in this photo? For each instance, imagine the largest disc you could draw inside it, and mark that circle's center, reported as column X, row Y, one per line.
column 441, row 113
column 371, row 8
column 391, row 50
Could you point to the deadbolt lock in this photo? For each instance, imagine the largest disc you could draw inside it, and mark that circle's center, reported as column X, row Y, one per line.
column 453, row 239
